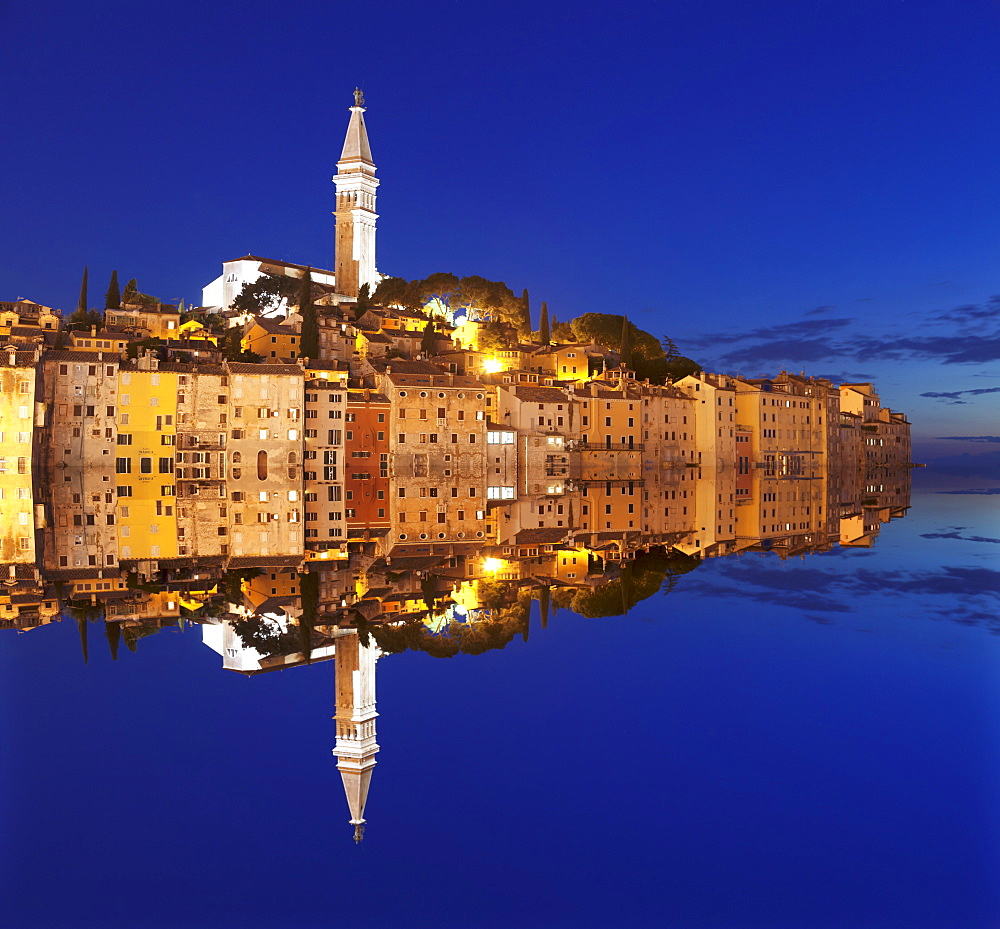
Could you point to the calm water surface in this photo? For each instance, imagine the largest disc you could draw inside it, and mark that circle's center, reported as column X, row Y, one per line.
column 805, row 744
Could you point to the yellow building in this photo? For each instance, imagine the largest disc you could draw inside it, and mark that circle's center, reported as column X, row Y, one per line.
column 144, row 461
column 272, row 339
column 156, row 320
column 17, row 411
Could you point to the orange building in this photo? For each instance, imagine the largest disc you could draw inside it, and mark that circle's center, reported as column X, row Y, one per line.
column 366, row 466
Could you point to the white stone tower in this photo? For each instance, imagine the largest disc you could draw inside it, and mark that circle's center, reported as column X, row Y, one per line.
column 356, row 746
column 355, row 214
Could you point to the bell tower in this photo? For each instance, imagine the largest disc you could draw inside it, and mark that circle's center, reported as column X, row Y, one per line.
column 354, row 258
column 356, row 746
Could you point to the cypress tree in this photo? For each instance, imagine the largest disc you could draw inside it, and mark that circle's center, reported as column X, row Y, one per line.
column 309, row 339
column 113, row 298
column 81, row 625
column 525, row 326
column 113, row 631
column 364, row 296
column 81, row 305
column 131, row 292
column 544, row 602
column 626, row 343
column 543, row 326
column 428, row 344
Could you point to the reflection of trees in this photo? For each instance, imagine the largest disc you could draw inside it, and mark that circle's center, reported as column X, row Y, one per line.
column 506, row 616
column 638, row 580
column 265, row 635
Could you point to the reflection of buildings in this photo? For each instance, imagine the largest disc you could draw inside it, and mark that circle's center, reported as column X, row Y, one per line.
column 405, row 489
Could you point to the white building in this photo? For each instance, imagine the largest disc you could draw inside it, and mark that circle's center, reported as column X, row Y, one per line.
column 354, row 250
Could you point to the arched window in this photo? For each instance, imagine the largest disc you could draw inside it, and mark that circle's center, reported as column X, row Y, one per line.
column 237, row 457
column 292, row 458
column 262, row 466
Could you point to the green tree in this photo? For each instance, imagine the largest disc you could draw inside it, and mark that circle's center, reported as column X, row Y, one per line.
column 81, row 624
column 266, row 293
column 493, row 336
column 309, row 338
column 130, row 293
column 309, row 592
column 679, row 367
column 81, row 304
column 113, row 298
column 625, row 343
column 364, row 296
column 113, row 633
column 428, row 343
column 543, row 326
column 561, row 332
column 397, row 291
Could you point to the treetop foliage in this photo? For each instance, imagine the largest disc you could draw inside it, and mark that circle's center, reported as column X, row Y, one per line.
column 266, row 293
column 477, row 296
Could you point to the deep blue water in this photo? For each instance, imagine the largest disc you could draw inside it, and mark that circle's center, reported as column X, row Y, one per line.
column 800, row 745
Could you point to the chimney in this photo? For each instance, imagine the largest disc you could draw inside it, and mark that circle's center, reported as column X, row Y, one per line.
column 93, row 330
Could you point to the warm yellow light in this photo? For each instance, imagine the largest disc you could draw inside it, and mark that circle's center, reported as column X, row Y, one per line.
column 492, row 565
column 492, row 365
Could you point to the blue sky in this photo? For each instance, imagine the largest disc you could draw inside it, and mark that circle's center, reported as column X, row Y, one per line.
column 741, row 176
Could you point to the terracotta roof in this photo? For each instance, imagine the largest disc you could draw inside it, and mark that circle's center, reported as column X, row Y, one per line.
column 183, row 368
column 275, row 261
column 532, row 536
column 539, row 394
column 436, row 380
column 404, row 366
column 239, row 367
column 68, row 354
column 273, row 325
column 263, row 561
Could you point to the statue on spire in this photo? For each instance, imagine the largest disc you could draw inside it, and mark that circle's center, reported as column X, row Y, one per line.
column 359, row 97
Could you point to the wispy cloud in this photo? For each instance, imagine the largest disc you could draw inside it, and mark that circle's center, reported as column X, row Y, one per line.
column 962, row 335
column 956, row 534
column 968, row 438
column 966, row 594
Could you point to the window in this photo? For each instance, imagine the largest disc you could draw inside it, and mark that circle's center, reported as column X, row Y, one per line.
column 123, row 465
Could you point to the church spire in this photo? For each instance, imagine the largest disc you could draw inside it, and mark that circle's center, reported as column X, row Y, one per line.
column 356, row 183
column 356, row 746
column 356, row 147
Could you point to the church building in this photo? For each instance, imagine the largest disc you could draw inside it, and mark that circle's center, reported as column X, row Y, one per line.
column 354, row 243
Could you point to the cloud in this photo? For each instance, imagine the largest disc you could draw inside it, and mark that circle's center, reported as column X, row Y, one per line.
column 955, row 535
column 987, row 491
column 961, row 335
column 797, row 330
column 969, row 438
column 964, row 594
column 955, row 394
column 970, row 314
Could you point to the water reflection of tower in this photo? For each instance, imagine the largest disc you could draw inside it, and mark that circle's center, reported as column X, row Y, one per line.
column 356, row 746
